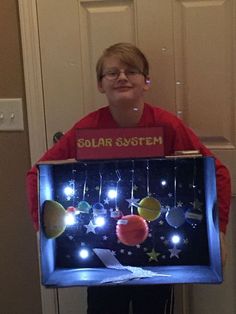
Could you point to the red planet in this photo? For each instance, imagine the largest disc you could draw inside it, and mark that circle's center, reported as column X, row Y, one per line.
column 132, row 230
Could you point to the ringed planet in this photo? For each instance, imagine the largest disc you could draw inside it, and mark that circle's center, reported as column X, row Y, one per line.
column 149, row 208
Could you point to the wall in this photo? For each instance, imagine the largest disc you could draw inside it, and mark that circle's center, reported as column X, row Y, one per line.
column 20, row 289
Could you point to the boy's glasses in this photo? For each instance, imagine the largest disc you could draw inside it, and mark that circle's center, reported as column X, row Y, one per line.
column 113, row 74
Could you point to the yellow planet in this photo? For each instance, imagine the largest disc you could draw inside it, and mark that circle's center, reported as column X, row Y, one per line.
column 53, row 219
column 149, row 208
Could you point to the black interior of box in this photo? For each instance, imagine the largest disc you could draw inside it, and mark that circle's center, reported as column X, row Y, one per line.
column 181, row 185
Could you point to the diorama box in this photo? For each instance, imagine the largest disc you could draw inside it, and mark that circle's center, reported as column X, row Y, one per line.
column 129, row 221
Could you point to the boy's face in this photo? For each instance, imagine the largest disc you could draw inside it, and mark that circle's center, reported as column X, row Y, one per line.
column 128, row 86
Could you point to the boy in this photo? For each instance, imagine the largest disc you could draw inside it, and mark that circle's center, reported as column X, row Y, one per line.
column 123, row 76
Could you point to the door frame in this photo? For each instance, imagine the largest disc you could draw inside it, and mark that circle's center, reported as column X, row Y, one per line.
column 32, row 77
column 35, row 104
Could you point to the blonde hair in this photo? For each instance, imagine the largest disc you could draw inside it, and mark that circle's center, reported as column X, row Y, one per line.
column 128, row 54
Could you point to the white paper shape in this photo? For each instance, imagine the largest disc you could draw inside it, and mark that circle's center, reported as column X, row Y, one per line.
column 110, row 261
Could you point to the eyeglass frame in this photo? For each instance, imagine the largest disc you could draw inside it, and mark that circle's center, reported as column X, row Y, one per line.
column 133, row 73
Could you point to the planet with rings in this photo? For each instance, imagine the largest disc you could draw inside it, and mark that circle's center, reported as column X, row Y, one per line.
column 149, row 208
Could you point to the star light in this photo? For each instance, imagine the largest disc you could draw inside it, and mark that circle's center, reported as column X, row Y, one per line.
column 90, row 227
column 174, row 252
column 186, row 241
column 153, row 255
column 132, row 201
column 106, row 201
column 197, row 204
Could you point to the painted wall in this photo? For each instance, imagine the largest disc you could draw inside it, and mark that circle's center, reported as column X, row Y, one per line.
column 20, row 290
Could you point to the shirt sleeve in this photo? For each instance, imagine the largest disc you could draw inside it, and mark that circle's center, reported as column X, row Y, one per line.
column 64, row 149
column 187, row 140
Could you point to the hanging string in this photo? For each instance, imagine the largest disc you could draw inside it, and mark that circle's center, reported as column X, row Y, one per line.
column 85, row 185
column 132, row 188
column 193, row 183
column 73, row 187
column 100, row 187
column 147, row 169
column 117, row 187
column 175, row 183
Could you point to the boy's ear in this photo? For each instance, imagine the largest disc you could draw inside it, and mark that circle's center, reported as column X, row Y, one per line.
column 100, row 88
column 147, row 83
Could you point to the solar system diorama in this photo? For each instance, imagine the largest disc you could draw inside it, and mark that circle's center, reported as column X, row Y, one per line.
column 129, row 221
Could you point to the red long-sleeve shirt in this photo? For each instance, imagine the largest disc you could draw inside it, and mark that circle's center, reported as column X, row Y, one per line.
column 176, row 137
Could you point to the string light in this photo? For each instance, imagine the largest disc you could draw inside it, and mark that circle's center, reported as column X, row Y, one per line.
column 175, row 239
column 163, row 183
column 83, row 253
column 69, row 191
column 99, row 221
column 112, row 194
column 70, row 219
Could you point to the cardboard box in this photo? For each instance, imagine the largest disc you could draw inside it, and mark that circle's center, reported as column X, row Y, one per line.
column 181, row 245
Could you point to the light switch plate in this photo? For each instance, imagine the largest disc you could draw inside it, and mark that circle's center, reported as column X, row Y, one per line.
column 11, row 114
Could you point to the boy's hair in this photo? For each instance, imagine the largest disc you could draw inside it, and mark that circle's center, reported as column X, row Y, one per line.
column 126, row 53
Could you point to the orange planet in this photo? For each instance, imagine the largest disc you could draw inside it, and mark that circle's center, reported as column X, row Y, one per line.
column 131, row 230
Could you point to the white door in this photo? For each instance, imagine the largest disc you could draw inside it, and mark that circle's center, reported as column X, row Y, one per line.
column 191, row 48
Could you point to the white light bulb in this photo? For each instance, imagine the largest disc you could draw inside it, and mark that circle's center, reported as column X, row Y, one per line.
column 112, row 194
column 163, row 182
column 84, row 253
column 175, row 239
column 99, row 221
column 70, row 219
column 69, row 191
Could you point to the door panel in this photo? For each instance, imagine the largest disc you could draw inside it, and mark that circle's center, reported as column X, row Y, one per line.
column 72, row 37
column 205, row 47
column 204, row 33
column 102, row 24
